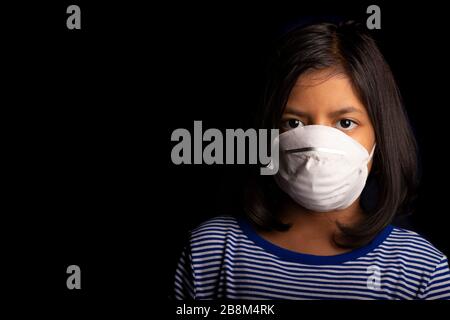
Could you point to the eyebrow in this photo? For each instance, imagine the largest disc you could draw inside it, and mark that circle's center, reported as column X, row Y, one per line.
column 344, row 111
column 331, row 114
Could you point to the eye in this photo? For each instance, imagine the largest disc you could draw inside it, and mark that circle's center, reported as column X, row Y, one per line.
column 346, row 124
column 292, row 124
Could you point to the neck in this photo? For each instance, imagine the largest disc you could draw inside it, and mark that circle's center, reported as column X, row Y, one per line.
column 312, row 232
column 321, row 222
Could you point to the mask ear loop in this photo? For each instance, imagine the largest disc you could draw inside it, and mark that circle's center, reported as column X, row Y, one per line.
column 372, row 152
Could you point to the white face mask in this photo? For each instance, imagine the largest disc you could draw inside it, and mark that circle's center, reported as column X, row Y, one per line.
column 321, row 168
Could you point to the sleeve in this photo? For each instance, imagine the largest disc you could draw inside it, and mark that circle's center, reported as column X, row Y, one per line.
column 184, row 286
column 438, row 286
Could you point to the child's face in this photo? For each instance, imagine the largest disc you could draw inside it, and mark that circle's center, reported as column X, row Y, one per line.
column 320, row 99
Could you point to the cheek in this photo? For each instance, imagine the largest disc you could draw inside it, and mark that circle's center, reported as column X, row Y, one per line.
column 365, row 136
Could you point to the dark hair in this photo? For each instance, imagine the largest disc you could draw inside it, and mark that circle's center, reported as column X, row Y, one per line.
column 348, row 48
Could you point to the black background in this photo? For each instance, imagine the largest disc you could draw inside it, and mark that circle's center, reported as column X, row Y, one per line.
column 88, row 116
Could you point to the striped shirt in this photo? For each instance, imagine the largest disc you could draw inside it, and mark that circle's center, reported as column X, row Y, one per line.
column 226, row 258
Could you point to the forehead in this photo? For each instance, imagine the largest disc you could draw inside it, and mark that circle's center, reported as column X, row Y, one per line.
column 323, row 89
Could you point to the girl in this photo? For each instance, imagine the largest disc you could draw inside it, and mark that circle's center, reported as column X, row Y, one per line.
column 321, row 227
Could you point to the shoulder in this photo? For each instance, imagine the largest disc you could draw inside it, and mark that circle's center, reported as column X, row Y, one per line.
column 412, row 247
column 215, row 230
column 408, row 238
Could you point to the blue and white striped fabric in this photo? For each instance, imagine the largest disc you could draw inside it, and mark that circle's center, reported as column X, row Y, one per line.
column 226, row 258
